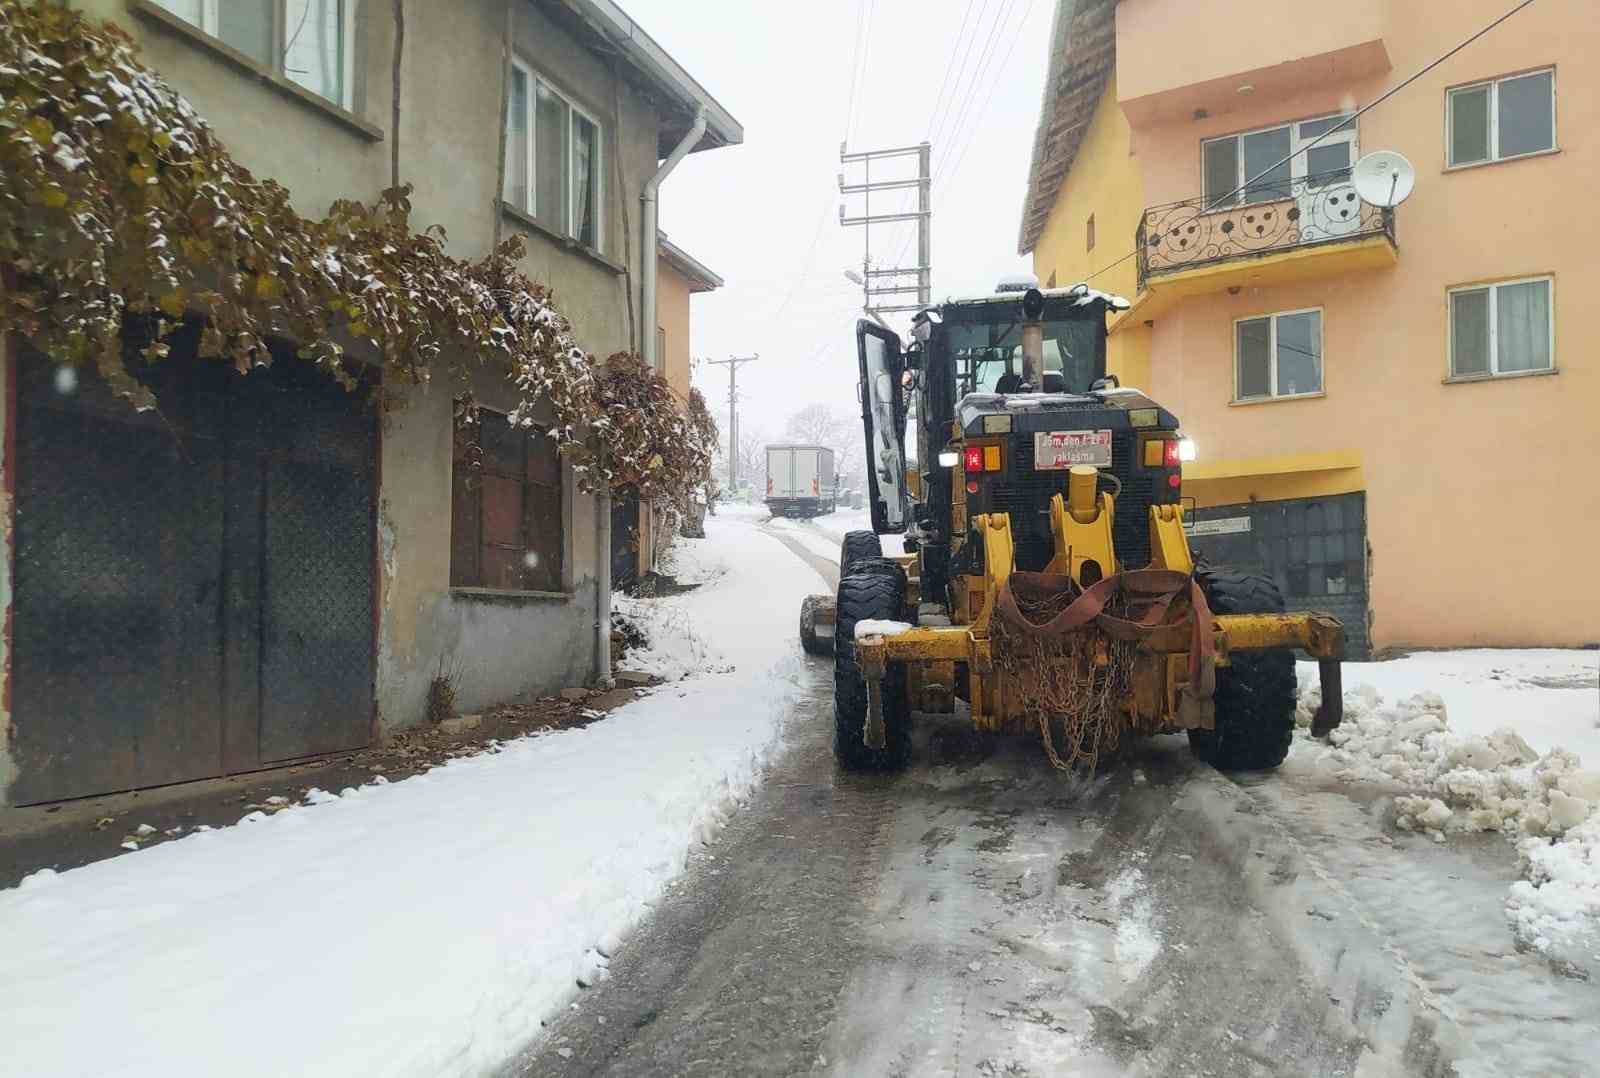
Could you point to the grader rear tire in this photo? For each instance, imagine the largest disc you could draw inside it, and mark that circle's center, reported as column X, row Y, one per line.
column 878, row 594
column 1255, row 697
column 857, row 546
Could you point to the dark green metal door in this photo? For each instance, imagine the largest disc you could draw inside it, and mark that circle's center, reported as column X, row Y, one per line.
column 193, row 591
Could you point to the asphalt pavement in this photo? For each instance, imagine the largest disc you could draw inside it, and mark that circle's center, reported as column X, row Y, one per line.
column 983, row 914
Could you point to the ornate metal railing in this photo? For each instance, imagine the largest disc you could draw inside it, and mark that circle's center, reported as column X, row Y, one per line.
column 1271, row 216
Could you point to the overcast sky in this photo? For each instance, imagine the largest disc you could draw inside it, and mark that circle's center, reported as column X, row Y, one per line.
column 765, row 215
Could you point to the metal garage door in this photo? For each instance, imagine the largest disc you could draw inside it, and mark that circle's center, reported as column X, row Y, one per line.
column 193, row 589
column 624, row 539
column 1315, row 548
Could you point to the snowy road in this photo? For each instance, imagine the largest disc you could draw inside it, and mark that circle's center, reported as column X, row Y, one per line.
column 980, row 914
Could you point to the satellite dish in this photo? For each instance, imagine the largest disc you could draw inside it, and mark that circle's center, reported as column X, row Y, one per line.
column 1384, row 178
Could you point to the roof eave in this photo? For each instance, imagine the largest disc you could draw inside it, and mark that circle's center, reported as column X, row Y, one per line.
column 691, row 269
column 1082, row 60
column 651, row 61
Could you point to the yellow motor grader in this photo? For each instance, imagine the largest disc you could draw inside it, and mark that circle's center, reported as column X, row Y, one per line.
column 1047, row 582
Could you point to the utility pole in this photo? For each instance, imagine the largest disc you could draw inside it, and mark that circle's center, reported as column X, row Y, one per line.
column 871, row 289
column 733, row 363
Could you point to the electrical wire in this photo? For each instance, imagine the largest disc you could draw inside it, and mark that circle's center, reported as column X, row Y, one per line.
column 1386, row 95
column 855, row 66
column 949, row 68
column 938, row 133
column 952, row 161
column 988, row 100
column 863, row 34
column 866, row 64
column 1001, row 18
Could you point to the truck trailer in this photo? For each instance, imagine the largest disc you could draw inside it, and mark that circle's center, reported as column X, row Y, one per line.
column 801, row 481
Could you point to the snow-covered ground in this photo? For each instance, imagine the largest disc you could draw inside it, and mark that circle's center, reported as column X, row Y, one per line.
column 422, row 927
column 1471, row 741
column 822, row 535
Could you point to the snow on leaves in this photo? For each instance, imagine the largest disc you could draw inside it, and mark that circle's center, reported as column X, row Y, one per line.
column 119, row 206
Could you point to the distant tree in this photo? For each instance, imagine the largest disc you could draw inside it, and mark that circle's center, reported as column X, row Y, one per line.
column 817, row 424
column 753, row 460
column 752, row 457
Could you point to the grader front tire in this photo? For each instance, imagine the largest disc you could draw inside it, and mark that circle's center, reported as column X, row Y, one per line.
column 1255, row 695
column 871, row 591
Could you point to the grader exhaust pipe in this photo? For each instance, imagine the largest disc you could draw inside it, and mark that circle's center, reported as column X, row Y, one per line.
column 1033, row 339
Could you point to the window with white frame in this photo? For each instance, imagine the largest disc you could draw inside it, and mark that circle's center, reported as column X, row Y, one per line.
column 308, row 42
column 1230, row 163
column 1502, row 328
column 1510, row 117
column 553, row 169
column 1277, row 355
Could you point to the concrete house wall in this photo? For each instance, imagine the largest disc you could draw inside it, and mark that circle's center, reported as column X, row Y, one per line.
column 449, row 134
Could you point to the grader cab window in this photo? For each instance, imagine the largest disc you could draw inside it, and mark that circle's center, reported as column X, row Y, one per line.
column 985, row 354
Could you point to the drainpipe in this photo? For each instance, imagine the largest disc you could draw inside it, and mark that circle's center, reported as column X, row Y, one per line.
column 602, row 590
column 649, row 235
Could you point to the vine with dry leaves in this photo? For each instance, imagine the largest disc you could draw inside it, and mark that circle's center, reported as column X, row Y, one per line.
column 118, row 202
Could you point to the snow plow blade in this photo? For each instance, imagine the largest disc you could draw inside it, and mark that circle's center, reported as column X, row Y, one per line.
column 1319, row 635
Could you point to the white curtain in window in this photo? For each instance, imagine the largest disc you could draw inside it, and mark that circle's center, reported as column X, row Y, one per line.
column 1522, row 315
column 551, row 164
column 516, row 191
column 583, row 180
column 313, row 46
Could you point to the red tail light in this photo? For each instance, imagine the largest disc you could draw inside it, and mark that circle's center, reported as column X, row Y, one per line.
column 972, row 458
column 769, row 486
column 816, row 487
column 1169, row 454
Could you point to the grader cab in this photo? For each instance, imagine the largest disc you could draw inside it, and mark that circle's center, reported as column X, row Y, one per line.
column 1047, row 582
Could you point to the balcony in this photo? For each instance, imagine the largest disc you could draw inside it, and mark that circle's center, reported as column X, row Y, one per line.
column 1312, row 226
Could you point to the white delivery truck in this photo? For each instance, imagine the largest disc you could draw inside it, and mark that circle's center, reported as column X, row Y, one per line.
column 800, row 480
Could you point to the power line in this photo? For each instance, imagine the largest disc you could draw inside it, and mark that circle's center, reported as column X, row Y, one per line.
column 955, row 87
column 864, row 40
column 863, row 30
column 1001, row 18
column 989, row 98
column 1386, row 95
column 946, row 166
column 949, row 67
column 855, row 64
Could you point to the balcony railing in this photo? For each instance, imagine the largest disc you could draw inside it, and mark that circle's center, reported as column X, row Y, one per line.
column 1280, row 215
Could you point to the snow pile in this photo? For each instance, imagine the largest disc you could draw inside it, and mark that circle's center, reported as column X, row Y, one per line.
column 693, row 561
column 1548, row 805
column 880, row 627
column 422, row 927
column 676, row 646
